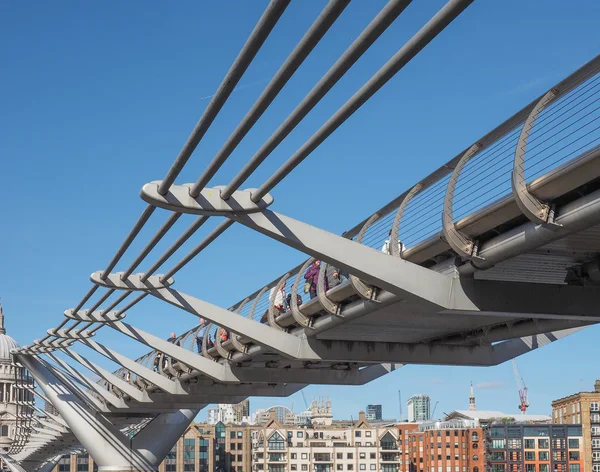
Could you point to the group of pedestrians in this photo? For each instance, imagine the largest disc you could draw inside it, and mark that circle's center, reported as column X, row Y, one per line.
column 282, row 301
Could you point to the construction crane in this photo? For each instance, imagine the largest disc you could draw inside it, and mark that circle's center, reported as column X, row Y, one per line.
column 400, row 403
column 433, row 412
column 304, row 398
column 521, row 388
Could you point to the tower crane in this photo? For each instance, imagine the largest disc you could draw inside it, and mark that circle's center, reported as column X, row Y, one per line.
column 521, row 388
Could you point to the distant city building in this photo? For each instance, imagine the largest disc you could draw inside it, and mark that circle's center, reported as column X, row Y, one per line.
column 583, row 408
column 419, row 408
column 49, row 408
column 9, row 393
column 490, row 416
column 319, row 413
column 284, row 415
column 374, row 412
column 230, row 414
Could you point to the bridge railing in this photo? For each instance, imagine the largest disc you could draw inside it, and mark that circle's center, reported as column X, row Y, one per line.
column 565, row 132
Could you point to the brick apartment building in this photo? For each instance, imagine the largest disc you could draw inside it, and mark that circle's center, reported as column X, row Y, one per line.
column 583, row 408
column 442, row 446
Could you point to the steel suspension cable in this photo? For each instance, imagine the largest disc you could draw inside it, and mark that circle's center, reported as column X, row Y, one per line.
column 425, row 35
column 257, row 38
column 304, row 47
column 364, row 41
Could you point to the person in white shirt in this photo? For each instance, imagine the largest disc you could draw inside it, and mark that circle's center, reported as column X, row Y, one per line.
column 387, row 249
column 279, row 300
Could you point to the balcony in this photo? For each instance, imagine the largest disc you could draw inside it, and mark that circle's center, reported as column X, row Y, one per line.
column 276, row 458
column 389, row 446
column 390, row 457
column 323, row 458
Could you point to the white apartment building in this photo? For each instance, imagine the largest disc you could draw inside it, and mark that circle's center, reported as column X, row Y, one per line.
column 355, row 448
column 419, row 407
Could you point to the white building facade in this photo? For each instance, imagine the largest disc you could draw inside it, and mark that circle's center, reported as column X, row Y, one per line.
column 360, row 447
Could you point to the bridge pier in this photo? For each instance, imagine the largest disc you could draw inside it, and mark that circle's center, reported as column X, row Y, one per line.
column 108, row 446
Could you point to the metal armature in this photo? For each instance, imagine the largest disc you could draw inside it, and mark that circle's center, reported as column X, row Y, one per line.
column 412, row 304
column 461, row 244
column 531, row 206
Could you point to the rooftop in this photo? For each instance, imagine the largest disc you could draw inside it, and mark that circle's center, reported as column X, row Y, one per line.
column 491, row 414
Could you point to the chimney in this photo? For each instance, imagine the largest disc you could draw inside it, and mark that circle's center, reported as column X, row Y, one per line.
column 362, row 416
column 597, row 385
column 272, row 415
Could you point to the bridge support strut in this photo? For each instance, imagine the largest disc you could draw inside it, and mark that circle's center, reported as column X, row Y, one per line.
column 109, row 447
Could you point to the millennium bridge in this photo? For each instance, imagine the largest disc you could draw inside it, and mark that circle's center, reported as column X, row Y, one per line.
column 489, row 257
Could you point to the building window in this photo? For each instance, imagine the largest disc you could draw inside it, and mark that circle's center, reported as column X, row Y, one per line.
column 573, row 467
column 350, row 467
column 362, row 455
column 293, row 467
column 363, row 467
column 475, row 446
column 368, row 434
column 299, row 434
column 529, row 467
column 373, row 467
column 276, row 442
column 189, row 455
column 475, row 469
column 475, row 457
column 530, row 456
column 304, row 467
column 474, row 437
column 339, row 455
column 573, row 443
column 373, row 455
column 304, row 455
column 350, row 455
column 543, row 455
column 171, row 460
column 530, row 444
column 357, row 434
column 594, row 406
column 542, row 444
column 513, row 444
column 596, row 443
column 573, row 455
column 340, row 467
column 544, row 467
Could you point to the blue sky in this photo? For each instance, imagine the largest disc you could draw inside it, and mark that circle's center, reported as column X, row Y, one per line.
column 98, row 98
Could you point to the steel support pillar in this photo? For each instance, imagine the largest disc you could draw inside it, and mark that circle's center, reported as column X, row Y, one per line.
column 109, row 447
